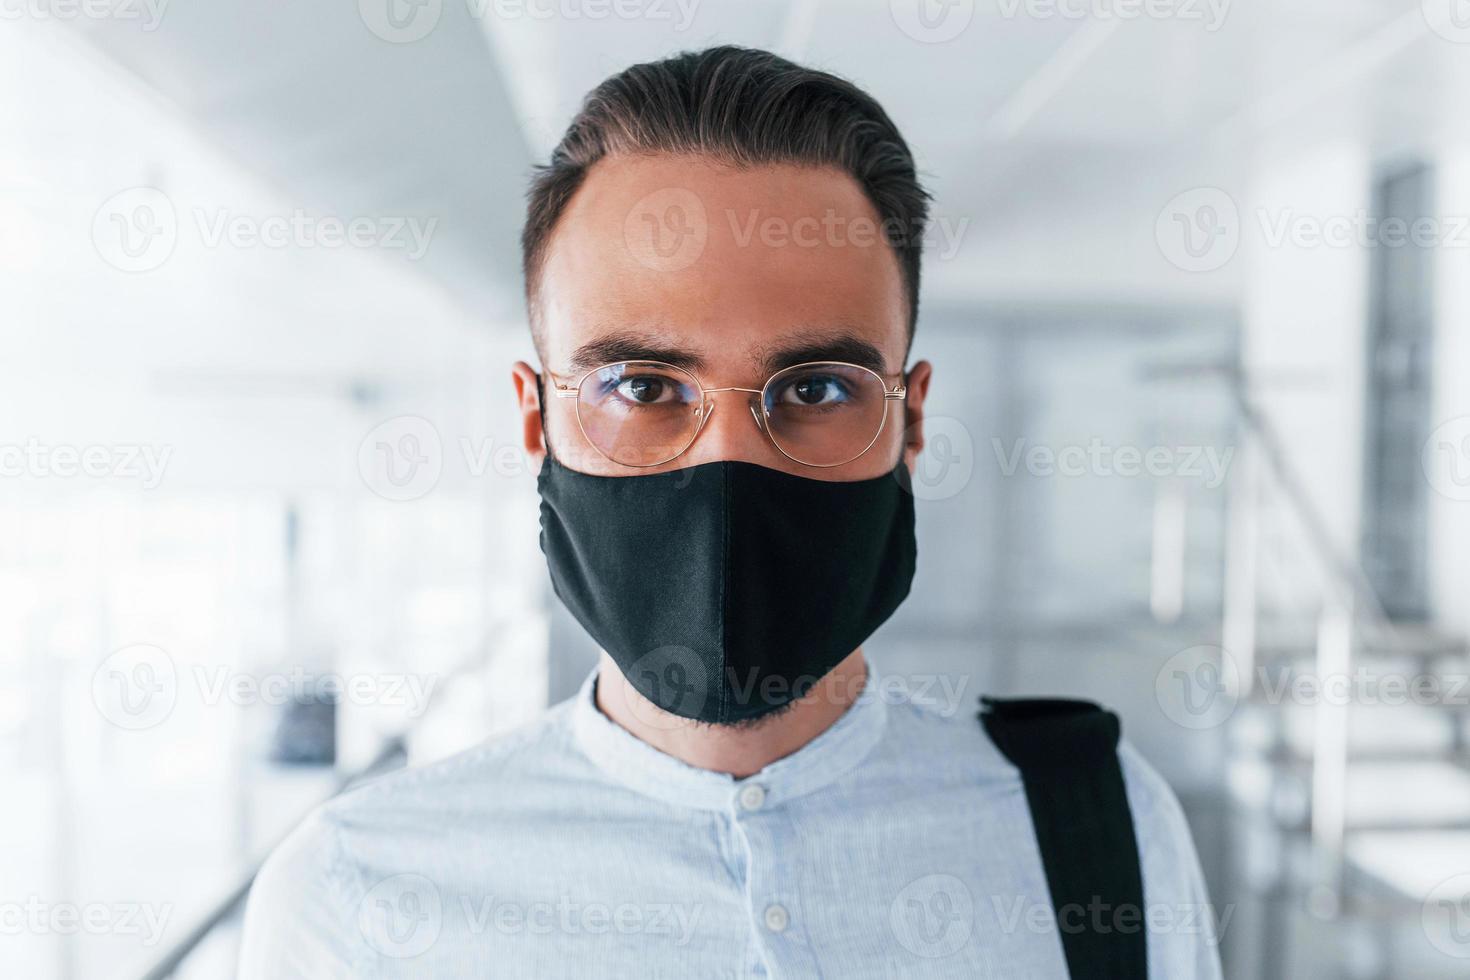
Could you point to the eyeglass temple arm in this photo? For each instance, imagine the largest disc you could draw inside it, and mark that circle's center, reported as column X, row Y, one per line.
column 561, row 388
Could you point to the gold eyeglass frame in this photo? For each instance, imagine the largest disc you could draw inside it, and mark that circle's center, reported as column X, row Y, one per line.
column 707, row 406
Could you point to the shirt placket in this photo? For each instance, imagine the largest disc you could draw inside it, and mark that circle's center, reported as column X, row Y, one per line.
column 773, row 902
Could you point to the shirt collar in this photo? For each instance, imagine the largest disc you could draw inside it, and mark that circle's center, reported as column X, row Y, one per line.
column 641, row 767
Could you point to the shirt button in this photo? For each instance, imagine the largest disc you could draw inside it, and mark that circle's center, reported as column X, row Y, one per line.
column 777, row 918
column 752, row 797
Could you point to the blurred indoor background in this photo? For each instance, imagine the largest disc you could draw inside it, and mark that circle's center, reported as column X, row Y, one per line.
column 1197, row 293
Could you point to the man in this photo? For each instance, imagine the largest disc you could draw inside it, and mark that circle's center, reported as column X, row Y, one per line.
column 722, row 273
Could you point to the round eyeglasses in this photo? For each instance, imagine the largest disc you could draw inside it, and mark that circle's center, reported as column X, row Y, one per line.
column 646, row 413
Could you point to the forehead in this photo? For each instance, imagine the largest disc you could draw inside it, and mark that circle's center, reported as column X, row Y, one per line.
column 729, row 263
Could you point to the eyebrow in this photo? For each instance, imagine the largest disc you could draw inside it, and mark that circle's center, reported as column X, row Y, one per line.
column 836, row 346
column 813, row 345
column 633, row 347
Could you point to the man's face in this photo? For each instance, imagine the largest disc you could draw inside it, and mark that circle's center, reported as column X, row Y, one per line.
column 784, row 265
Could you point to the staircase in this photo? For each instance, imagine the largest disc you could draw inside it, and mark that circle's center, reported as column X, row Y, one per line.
column 1348, row 772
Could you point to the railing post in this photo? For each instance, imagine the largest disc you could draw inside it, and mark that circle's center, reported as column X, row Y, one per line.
column 1168, row 552
column 1242, row 549
column 1330, row 743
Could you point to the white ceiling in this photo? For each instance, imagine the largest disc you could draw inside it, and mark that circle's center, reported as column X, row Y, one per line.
column 1054, row 143
column 1045, row 132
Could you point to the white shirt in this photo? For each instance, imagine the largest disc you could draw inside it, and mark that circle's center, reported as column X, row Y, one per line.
column 896, row 844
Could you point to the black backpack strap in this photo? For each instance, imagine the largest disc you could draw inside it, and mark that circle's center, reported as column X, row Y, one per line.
column 1067, row 752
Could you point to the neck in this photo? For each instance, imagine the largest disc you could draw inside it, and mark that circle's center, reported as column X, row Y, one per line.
column 740, row 751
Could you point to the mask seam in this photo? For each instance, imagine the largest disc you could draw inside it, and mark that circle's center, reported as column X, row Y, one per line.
column 724, row 591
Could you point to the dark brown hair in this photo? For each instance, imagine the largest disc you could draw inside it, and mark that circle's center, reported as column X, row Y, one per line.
column 743, row 107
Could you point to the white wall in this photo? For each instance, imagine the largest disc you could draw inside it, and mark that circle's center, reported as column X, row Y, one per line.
column 1305, row 314
column 1449, row 503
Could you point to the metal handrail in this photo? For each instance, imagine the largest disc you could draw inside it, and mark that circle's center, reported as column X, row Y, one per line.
column 1349, row 575
column 1357, row 605
column 1346, row 574
column 392, row 754
column 1351, row 605
column 389, row 757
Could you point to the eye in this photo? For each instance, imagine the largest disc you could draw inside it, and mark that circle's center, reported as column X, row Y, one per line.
column 812, row 390
column 647, row 389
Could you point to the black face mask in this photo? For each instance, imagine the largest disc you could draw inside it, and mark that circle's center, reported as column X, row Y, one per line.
column 725, row 590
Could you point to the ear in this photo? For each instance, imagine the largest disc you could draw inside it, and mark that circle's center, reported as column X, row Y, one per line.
column 913, row 412
column 528, row 401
